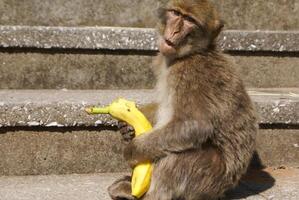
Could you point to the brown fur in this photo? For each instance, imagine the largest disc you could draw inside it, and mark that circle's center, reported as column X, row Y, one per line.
column 206, row 124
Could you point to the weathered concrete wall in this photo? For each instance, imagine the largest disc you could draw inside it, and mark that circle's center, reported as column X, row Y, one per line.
column 239, row 14
column 98, row 70
column 75, row 71
column 52, row 152
column 279, row 147
column 78, row 12
column 25, row 152
column 260, row 14
column 268, row 71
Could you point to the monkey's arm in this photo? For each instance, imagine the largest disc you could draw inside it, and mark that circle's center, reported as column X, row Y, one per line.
column 174, row 137
column 150, row 110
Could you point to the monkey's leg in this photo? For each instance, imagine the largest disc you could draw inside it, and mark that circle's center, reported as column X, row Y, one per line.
column 121, row 189
column 192, row 175
column 160, row 188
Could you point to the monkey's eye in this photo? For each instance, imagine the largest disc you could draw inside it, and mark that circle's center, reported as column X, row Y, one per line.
column 190, row 19
column 176, row 13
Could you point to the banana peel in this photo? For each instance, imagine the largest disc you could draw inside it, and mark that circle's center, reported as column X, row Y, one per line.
column 124, row 110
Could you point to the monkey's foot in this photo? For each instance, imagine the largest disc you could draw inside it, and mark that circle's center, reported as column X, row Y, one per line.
column 121, row 189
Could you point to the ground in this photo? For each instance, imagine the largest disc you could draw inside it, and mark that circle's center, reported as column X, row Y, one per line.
column 274, row 184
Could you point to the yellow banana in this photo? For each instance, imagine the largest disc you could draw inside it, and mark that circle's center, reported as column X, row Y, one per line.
column 127, row 111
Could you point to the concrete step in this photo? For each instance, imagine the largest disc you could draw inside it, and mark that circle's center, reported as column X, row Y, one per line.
column 238, row 14
column 128, row 38
column 43, row 151
column 47, row 132
column 267, row 184
column 120, row 58
column 124, row 70
column 65, row 108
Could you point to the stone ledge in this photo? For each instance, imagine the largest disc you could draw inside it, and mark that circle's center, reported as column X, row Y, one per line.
column 44, row 151
column 116, row 38
column 63, row 108
column 267, row 184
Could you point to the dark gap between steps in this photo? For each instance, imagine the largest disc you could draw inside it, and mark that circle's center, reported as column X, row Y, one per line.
column 279, row 126
column 4, row 130
column 135, row 52
column 263, row 53
column 78, row 51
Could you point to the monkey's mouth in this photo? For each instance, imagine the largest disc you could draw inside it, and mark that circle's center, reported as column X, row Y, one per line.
column 169, row 43
column 167, row 47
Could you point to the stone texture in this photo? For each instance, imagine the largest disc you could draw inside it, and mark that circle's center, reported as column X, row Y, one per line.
column 276, row 184
column 79, row 12
column 60, row 108
column 76, row 187
column 136, row 39
column 96, row 70
column 267, row 184
column 66, row 108
column 279, row 106
column 124, row 70
column 99, row 150
column 278, row 147
column 61, row 152
column 268, row 71
column 78, row 37
column 280, row 41
column 260, row 14
column 238, row 14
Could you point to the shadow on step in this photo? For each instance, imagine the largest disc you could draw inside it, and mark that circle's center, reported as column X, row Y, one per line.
column 255, row 181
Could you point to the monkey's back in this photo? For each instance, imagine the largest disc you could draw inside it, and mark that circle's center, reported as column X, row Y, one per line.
column 208, row 87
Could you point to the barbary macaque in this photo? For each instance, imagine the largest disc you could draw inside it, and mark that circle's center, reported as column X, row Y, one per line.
column 205, row 130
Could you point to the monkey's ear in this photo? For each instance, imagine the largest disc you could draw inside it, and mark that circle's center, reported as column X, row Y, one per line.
column 219, row 24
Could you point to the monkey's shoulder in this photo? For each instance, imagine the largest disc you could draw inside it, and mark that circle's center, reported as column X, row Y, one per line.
column 204, row 70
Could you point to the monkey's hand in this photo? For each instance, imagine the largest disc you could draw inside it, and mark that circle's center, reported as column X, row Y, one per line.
column 134, row 153
column 127, row 131
column 130, row 155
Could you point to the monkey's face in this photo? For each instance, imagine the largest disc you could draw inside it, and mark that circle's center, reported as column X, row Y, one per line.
column 187, row 26
column 178, row 28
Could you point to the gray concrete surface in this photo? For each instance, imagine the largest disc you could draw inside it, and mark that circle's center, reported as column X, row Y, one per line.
column 60, row 151
column 61, row 108
column 75, row 187
column 65, row 108
column 268, row 71
column 100, row 150
column 124, row 70
column 136, row 39
column 269, row 184
column 97, row 70
column 239, row 14
column 278, row 147
column 78, row 37
column 75, row 67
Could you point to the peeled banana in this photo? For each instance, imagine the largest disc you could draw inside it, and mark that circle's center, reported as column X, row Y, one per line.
column 127, row 111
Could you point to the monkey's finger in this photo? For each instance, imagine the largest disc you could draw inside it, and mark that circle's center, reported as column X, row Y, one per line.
column 121, row 124
column 128, row 137
column 130, row 128
column 127, row 130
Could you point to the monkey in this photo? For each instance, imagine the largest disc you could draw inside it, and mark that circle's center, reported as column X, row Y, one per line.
column 206, row 124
